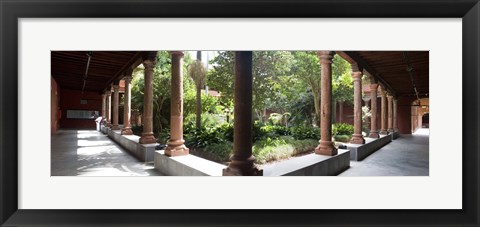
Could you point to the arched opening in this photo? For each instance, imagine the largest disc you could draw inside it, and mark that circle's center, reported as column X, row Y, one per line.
column 425, row 123
column 420, row 114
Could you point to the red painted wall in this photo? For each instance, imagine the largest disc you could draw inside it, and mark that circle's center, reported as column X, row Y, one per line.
column 404, row 115
column 347, row 116
column 53, row 106
column 70, row 100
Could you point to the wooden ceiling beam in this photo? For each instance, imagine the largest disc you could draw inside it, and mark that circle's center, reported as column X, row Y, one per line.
column 354, row 58
column 131, row 64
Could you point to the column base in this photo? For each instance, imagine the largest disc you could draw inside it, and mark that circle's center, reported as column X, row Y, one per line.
column 357, row 139
column 326, row 148
column 127, row 131
column 108, row 124
column 147, row 138
column 374, row 134
column 115, row 127
column 383, row 132
column 178, row 150
column 242, row 168
column 390, row 130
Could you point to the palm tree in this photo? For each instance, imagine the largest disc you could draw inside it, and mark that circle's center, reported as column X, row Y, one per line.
column 198, row 73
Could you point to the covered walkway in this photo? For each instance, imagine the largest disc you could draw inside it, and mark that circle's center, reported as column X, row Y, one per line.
column 406, row 156
column 91, row 153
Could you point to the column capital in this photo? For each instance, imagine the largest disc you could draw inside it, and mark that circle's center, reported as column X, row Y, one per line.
column 149, row 55
column 148, row 64
column 389, row 97
column 356, row 75
column 325, row 56
column 127, row 79
column 108, row 92
column 176, row 53
column 356, row 68
column 116, row 87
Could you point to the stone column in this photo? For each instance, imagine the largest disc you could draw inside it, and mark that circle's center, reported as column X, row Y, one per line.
column 242, row 161
column 383, row 130
column 395, row 125
column 326, row 145
column 127, row 128
column 373, row 117
column 115, row 106
column 357, row 137
column 390, row 113
column 149, row 58
column 104, row 105
column 176, row 146
column 108, row 108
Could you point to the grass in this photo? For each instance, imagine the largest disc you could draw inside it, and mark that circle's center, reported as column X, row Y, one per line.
column 266, row 150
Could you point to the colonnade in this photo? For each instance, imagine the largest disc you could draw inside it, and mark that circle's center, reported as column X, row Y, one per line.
column 242, row 161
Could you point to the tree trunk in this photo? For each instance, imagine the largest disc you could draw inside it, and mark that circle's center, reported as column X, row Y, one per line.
column 316, row 98
column 199, row 107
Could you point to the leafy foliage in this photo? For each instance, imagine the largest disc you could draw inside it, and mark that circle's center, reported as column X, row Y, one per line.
column 302, row 132
column 197, row 72
column 307, row 68
column 268, row 69
column 200, row 138
column 280, row 148
column 342, row 81
column 275, row 130
column 342, row 129
column 342, row 138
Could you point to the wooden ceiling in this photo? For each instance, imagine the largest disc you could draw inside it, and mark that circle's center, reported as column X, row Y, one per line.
column 387, row 67
column 391, row 69
column 68, row 68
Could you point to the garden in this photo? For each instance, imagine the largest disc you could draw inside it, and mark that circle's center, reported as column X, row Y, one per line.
column 286, row 98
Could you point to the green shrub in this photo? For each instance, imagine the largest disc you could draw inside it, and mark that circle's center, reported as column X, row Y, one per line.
column 226, row 130
column 163, row 136
column 201, row 138
column 342, row 138
column 269, row 149
column 219, row 152
column 303, row 146
column 302, row 132
column 137, row 130
column 342, row 129
column 257, row 132
column 207, row 121
column 275, row 130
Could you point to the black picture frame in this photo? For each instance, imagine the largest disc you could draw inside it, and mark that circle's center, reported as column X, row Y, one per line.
column 12, row 10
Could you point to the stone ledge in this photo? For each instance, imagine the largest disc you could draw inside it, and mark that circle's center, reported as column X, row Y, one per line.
column 310, row 165
column 359, row 152
column 186, row 165
column 143, row 152
column 395, row 135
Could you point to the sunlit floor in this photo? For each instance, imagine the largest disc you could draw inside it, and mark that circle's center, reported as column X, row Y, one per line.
column 91, row 153
column 408, row 155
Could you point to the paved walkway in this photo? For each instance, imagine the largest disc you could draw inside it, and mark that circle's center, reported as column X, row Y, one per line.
column 91, row 153
column 405, row 156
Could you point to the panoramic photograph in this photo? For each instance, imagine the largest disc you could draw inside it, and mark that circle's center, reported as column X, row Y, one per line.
column 240, row 113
